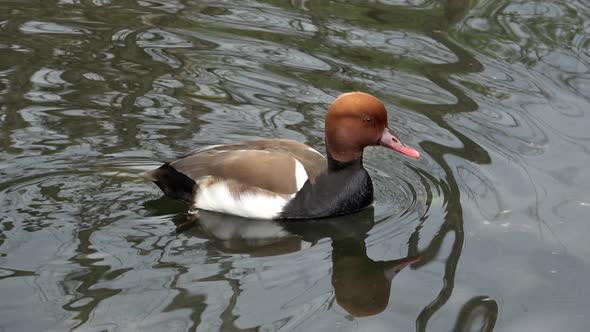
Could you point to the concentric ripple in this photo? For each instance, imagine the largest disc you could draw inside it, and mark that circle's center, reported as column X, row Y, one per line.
column 485, row 231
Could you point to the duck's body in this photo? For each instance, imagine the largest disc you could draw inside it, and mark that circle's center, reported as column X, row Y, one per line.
column 265, row 179
column 285, row 179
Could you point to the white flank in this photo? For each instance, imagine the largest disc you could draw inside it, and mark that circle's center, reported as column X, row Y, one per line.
column 300, row 174
column 217, row 197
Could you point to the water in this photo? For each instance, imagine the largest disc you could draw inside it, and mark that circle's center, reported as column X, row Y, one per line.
column 493, row 93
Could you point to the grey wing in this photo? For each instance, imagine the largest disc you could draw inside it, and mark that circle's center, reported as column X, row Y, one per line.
column 313, row 161
column 271, row 171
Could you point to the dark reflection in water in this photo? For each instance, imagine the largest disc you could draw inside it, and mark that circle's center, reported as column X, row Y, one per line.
column 479, row 312
column 92, row 93
column 361, row 285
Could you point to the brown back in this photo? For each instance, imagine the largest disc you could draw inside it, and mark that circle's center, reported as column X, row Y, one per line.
column 266, row 164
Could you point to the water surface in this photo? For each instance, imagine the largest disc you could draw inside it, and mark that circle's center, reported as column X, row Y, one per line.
column 494, row 94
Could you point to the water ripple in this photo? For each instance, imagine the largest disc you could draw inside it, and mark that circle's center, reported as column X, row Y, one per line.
column 492, row 93
column 261, row 18
column 395, row 43
column 37, row 27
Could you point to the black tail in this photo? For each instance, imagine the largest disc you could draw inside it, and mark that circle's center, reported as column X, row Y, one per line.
column 173, row 183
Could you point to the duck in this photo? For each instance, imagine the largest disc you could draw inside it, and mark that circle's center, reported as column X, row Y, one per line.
column 285, row 179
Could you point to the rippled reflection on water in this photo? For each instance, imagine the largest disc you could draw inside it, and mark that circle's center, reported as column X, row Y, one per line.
column 491, row 220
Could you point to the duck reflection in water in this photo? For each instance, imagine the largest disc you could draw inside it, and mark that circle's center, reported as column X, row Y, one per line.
column 361, row 285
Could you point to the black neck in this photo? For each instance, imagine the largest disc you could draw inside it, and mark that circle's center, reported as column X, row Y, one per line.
column 345, row 188
column 336, row 165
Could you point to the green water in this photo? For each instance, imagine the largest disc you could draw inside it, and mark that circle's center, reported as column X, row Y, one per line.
column 494, row 94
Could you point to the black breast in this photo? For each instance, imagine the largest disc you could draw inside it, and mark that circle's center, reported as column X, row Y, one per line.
column 344, row 190
column 173, row 183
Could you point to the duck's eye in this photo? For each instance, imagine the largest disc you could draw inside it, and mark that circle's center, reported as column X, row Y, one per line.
column 367, row 120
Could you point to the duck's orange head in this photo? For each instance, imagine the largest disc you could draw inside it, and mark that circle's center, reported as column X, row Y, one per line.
column 356, row 120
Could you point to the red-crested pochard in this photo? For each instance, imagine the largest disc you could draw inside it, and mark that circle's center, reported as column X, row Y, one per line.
column 285, row 179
